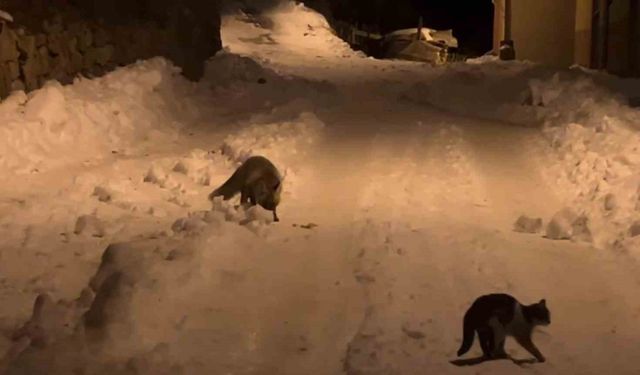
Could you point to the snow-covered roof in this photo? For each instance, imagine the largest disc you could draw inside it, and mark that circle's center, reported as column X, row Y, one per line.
column 428, row 34
column 5, row 16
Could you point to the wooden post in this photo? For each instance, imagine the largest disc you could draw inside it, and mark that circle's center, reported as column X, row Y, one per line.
column 498, row 24
column 507, row 20
column 507, row 48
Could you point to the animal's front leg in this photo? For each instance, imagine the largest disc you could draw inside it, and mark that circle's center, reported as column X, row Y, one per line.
column 531, row 348
column 485, row 337
column 244, row 197
column 275, row 215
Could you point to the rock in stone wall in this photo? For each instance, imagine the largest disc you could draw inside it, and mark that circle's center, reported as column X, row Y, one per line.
column 60, row 39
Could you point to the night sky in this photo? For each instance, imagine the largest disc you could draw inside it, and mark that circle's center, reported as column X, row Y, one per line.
column 471, row 21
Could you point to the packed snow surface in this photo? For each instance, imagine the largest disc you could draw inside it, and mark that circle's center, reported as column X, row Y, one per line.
column 408, row 192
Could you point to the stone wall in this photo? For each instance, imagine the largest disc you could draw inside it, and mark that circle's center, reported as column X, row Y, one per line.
column 60, row 39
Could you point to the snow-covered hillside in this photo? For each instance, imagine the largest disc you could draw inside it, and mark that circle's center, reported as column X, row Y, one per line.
column 403, row 184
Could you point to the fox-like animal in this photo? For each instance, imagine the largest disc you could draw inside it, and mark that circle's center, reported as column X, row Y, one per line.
column 258, row 182
column 495, row 316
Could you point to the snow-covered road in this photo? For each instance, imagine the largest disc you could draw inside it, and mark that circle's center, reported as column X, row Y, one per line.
column 432, row 198
column 395, row 216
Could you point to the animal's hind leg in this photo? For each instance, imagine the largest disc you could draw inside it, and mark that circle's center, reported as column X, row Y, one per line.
column 499, row 339
column 485, row 336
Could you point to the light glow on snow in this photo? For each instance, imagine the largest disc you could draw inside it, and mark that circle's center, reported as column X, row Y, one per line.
column 410, row 190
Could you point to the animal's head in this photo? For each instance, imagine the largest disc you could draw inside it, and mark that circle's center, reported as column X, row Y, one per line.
column 540, row 313
column 268, row 194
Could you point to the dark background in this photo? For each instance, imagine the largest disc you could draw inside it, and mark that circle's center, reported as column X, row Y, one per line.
column 471, row 20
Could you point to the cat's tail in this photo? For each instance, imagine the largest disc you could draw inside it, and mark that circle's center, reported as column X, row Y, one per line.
column 468, row 334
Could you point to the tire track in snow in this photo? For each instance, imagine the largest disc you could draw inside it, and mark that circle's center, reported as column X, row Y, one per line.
column 427, row 249
column 419, row 172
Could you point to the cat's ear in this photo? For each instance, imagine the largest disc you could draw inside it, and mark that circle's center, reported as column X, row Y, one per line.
column 543, row 302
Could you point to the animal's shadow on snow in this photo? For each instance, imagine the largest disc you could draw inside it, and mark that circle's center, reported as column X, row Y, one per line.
column 478, row 360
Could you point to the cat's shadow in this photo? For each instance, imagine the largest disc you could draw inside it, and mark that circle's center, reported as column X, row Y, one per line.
column 481, row 359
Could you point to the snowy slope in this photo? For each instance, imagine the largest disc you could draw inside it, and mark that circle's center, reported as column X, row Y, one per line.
column 402, row 186
column 121, row 112
column 592, row 131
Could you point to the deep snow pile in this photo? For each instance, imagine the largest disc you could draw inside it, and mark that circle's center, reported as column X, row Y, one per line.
column 305, row 30
column 595, row 136
column 111, row 328
column 199, row 266
column 585, row 120
column 194, row 268
column 289, row 28
column 121, row 112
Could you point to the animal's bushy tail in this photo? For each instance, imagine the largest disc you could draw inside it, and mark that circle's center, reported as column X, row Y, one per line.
column 228, row 189
column 468, row 334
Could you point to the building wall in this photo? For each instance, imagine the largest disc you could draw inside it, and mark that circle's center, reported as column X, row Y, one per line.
column 560, row 33
column 583, row 30
column 634, row 37
column 59, row 39
column 618, row 57
column 544, row 31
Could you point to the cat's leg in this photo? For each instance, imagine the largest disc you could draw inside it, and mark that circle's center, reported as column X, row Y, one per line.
column 499, row 340
column 530, row 347
column 485, row 337
column 498, row 335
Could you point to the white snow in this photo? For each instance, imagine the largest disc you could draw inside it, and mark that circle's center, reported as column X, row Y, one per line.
column 407, row 190
column 527, row 224
column 5, row 16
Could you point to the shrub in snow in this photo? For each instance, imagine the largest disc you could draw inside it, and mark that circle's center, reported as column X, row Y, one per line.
column 527, row 224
